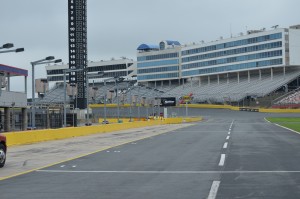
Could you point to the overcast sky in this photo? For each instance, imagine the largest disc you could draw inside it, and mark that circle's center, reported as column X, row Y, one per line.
column 117, row 27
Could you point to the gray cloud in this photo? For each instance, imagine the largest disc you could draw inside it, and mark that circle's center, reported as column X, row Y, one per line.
column 116, row 27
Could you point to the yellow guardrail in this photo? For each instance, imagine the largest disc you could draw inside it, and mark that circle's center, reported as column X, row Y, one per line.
column 213, row 106
column 34, row 136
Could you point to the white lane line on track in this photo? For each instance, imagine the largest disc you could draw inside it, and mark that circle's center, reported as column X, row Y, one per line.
column 227, row 138
column 229, row 133
column 169, row 172
column 214, row 190
column 225, row 145
column 222, row 160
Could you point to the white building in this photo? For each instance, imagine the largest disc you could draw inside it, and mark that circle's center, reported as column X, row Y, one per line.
column 121, row 68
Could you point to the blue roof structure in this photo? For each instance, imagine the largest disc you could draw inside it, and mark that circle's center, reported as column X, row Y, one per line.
column 176, row 43
column 148, row 47
column 13, row 71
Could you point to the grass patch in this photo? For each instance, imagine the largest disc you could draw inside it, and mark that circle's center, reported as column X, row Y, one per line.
column 289, row 122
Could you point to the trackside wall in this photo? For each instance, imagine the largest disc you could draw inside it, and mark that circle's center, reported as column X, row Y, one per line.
column 28, row 137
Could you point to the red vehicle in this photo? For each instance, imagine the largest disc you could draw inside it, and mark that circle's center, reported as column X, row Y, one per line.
column 3, row 149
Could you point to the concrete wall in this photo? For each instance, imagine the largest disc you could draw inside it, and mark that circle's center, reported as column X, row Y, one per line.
column 28, row 137
column 8, row 97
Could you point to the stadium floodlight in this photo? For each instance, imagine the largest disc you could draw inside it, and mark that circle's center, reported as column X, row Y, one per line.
column 19, row 50
column 8, row 45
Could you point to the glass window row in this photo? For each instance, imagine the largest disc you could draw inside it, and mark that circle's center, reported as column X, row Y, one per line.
column 107, row 67
column 160, row 56
column 233, row 59
column 233, row 67
column 233, row 44
column 156, row 70
column 108, row 74
column 92, row 69
column 157, row 76
column 233, row 51
column 158, row 63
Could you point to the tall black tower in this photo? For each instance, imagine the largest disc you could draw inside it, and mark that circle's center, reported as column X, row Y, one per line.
column 78, row 47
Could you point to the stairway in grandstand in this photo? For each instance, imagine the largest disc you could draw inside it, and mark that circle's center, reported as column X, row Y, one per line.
column 233, row 90
column 54, row 95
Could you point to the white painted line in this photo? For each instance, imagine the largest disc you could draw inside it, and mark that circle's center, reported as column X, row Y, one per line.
column 74, row 166
column 229, row 129
column 222, row 160
column 227, row 138
column 214, row 190
column 107, row 151
column 267, row 120
column 225, row 145
column 168, row 172
column 229, row 133
column 62, row 166
column 287, row 128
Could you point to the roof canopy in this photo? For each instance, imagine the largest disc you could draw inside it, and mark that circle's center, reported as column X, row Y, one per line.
column 148, row 47
column 13, row 71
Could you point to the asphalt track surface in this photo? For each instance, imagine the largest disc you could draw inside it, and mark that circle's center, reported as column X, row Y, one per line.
column 229, row 155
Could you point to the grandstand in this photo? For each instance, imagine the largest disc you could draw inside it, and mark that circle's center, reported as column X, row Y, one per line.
column 254, row 65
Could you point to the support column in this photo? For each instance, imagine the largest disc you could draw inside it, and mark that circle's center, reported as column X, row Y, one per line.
column 8, row 82
column 238, row 77
column 25, row 83
column 227, row 78
column 155, row 84
column 259, row 74
column 218, row 76
column 248, row 76
column 284, row 71
column 7, row 119
column 191, row 81
column 24, row 119
column 208, row 80
column 199, row 81
column 271, row 73
column 48, row 118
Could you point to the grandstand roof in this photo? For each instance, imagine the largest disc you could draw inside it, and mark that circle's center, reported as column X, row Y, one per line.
column 13, row 71
column 148, row 47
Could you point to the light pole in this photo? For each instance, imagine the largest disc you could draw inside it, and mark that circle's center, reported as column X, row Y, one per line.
column 47, row 60
column 10, row 45
column 100, row 74
column 65, row 94
column 105, row 98
column 117, row 81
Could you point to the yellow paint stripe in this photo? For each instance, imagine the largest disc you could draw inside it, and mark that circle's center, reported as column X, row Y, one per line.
column 80, row 156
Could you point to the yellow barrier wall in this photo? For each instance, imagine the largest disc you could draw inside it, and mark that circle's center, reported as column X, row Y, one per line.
column 28, row 137
column 213, row 106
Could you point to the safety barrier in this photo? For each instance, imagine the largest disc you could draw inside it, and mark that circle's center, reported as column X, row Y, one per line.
column 34, row 136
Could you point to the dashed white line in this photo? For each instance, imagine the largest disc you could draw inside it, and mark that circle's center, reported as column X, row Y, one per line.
column 222, row 160
column 62, row 166
column 227, row 138
column 225, row 145
column 214, row 190
column 74, row 166
column 229, row 132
